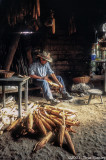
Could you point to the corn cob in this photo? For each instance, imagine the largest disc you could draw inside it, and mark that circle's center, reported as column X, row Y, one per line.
column 47, row 119
column 40, row 125
column 46, row 124
column 54, row 112
column 69, row 142
column 14, row 124
column 56, row 121
column 53, row 84
column 61, row 131
column 43, row 141
column 30, row 123
column 61, row 135
column 53, row 118
column 61, row 108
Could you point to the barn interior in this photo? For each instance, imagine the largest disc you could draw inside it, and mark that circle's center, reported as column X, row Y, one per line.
column 74, row 33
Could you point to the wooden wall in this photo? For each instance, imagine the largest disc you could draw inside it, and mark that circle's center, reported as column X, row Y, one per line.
column 71, row 55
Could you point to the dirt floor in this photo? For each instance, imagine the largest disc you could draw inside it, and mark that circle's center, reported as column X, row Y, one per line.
column 89, row 140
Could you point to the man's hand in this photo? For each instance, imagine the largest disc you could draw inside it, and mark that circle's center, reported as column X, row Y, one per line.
column 60, row 85
column 45, row 78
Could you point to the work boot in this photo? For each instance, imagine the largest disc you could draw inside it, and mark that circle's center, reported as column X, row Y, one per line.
column 66, row 96
column 54, row 101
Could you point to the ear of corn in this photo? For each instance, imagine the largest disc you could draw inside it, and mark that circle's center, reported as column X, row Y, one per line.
column 40, row 125
column 61, row 135
column 46, row 124
column 47, row 119
column 69, row 142
column 53, row 26
column 38, row 8
column 56, row 121
column 54, row 112
column 43, row 141
column 30, row 123
column 14, row 124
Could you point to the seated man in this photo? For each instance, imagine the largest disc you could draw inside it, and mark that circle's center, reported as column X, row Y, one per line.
column 40, row 70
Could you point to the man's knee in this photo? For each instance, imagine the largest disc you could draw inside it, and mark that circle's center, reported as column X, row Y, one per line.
column 59, row 78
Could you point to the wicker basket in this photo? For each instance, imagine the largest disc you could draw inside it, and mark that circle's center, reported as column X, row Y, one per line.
column 6, row 74
column 84, row 79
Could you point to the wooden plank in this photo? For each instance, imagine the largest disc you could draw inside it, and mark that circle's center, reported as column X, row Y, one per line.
column 16, row 90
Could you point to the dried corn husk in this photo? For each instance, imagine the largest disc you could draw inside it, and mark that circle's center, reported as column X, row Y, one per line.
column 70, row 117
column 43, row 141
column 69, row 142
column 31, row 105
column 72, row 123
column 70, row 129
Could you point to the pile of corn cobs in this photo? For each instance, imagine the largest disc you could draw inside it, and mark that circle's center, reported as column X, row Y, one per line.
column 48, row 121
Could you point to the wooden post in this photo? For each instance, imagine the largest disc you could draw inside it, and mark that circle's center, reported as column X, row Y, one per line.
column 29, row 56
column 11, row 53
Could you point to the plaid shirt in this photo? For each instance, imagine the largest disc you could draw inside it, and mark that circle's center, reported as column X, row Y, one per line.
column 40, row 70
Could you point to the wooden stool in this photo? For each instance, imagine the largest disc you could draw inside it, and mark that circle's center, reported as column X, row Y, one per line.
column 95, row 92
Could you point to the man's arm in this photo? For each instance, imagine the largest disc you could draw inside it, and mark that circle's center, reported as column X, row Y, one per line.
column 56, row 80
column 35, row 77
column 38, row 77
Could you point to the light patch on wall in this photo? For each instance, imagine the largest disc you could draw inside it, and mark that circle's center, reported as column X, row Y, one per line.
column 104, row 27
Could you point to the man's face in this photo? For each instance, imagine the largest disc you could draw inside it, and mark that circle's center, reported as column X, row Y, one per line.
column 43, row 61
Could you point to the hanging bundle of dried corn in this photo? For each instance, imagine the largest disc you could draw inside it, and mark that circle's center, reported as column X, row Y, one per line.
column 34, row 11
column 53, row 25
column 36, row 14
column 38, row 8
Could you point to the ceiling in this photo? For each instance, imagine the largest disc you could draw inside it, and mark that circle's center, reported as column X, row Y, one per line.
column 88, row 14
